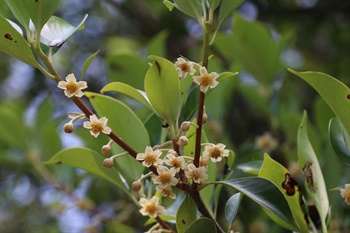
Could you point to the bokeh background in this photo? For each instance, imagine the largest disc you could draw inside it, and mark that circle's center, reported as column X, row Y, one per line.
column 265, row 99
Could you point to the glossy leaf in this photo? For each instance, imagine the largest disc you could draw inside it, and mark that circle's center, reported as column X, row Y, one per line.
column 162, row 88
column 334, row 92
column 214, row 4
column 13, row 43
column 87, row 64
column 56, row 31
column 252, row 168
column 124, row 122
column 129, row 91
column 264, row 193
column 280, row 176
column 202, row 225
column 231, row 207
column 169, row 4
column 186, row 214
column 340, row 140
column 314, row 182
column 87, row 160
column 39, row 11
column 191, row 8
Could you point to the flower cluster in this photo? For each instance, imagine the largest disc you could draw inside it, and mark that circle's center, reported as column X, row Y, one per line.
column 71, row 87
column 345, row 193
column 204, row 80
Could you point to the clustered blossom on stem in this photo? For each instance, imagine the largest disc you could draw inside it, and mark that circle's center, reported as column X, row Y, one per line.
column 150, row 157
column 71, row 87
column 151, row 207
column 165, row 180
column 97, row 126
column 215, row 152
column 197, row 174
column 345, row 193
column 177, row 162
column 184, row 67
column 206, row 80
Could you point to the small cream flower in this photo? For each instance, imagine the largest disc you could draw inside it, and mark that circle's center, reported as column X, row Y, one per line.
column 150, row 157
column 167, row 191
column 151, row 207
column 97, row 126
column 184, row 67
column 266, row 142
column 206, row 80
column 345, row 193
column 215, row 152
column 177, row 162
column 71, row 87
column 197, row 174
column 165, row 177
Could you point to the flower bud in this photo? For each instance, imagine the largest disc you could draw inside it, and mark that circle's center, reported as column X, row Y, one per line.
column 185, row 126
column 182, row 141
column 106, row 149
column 108, row 162
column 136, row 186
column 205, row 117
column 68, row 127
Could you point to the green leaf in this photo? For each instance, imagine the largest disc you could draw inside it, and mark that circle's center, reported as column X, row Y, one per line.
column 186, row 214
column 162, row 88
column 124, row 122
column 191, row 8
column 87, row 64
column 87, row 160
column 314, row 182
column 251, row 45
column 202, row 225
column 279, row 175
column 264, row 193
column 226, row 8
column 252, row 168
column 169, row 5
column 214, row 4
column 231, row 207
column 129, row 91
column 339, row 139
column 157, row 46
column 56, row 31
column 127, row 68
column 39, row 11
column 334, row 92
column 13, row 43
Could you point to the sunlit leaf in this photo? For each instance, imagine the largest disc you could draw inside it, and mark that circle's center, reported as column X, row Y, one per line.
column 202, row 225
column 87, row 160
column 252, row 168
column 264, row 193
column 186, row 214
column 56, row 31
column 129, row 91
column 314, row 182
column 162, row 87
column 231, row 207
column 13, row 43
column 339, row 139
column 168, row 4
column 280, row 176
column 334, row 92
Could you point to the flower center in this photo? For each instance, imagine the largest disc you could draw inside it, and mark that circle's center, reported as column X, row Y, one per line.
column 185, row 67
column 165, row 178
column 150, row 159
column 206, row 80
column 96, row 127
column 151, row 208
column 215, row 153
column 71, row 87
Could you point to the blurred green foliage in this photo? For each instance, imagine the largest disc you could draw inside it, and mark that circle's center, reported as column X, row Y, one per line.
column 260, row 42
